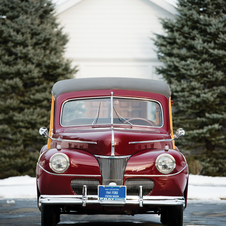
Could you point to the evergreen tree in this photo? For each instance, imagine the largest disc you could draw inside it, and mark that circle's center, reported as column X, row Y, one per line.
column 193, row 53
column 32, row 45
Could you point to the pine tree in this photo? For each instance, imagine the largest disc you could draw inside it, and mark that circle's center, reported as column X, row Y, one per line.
column 193, row 54
column 32, row 45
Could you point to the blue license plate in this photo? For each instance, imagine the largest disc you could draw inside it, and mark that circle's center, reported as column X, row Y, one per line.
column 111, row 193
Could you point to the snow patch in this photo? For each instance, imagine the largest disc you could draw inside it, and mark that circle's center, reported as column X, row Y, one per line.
column 22, row 180
column 18, row 187
column 197, row 180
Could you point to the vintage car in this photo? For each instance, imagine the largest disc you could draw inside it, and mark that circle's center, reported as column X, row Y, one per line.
column 111, row 150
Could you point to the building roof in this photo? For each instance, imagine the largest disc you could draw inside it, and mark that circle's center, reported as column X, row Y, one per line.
column 70, row 3
column 111, row 83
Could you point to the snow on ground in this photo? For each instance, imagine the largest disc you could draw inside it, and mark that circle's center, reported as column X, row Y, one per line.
column 206, row 188
column 18, row 187
column 200, row 188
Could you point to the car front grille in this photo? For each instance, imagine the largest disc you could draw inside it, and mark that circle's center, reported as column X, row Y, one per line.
column 112, row 170
column 133, row 186
column 92, row 185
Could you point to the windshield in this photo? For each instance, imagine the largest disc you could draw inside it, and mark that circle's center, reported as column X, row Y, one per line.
column 97, row 111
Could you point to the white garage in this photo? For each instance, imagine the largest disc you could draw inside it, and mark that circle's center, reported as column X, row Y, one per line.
column 113, row 37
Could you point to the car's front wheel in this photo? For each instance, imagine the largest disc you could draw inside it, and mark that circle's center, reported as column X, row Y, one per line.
column 172, row 215
column 164, row 216
column 50, row 215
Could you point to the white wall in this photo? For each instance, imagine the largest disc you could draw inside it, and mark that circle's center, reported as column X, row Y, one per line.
column 113, row 37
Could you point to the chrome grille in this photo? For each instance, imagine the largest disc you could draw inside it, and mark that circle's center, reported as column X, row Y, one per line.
column 92, row 185
column 133, row 186
column 112, row 170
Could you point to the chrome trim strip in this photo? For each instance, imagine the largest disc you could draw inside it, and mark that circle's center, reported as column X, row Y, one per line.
column 41, row 155
column 164, row 175
column 112, row 108
column 112, row 142
column 112, row 128
column 68, row 175
column 110, row 157
column 74, row 141
column 149, row 141
column 141, row 197
column 84, row 195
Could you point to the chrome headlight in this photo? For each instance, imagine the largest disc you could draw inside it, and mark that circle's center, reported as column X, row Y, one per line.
column 165, row 163
column 59, row 162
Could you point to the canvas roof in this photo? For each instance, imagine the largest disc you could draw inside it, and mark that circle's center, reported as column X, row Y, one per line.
column 111, row 83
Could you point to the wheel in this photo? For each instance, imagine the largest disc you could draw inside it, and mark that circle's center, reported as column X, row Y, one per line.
column 164, row 216
column 142, row 119
column 38, row 195
column 172, row 215
column 50, row 215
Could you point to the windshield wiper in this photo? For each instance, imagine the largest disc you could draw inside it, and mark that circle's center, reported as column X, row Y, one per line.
column 97, row 116
column 121, row 118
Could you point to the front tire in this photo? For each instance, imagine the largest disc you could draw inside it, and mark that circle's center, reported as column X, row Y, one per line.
column 172, row 215
column 50, row 215
column 164, row 216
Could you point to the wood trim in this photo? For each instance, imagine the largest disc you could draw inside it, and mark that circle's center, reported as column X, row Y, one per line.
column 51, row 121
column 171, row 122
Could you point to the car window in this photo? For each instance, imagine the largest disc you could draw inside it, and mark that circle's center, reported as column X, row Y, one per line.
column 97, row 111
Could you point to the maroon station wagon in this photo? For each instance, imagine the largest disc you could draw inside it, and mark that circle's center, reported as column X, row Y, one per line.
column 111, row 150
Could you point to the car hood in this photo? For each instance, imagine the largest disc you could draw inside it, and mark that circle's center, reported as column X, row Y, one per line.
column 98, row 141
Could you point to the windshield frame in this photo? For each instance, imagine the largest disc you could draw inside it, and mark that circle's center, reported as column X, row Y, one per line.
column 110, row 122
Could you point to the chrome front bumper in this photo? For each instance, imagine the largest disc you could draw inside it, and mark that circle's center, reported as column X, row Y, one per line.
column 130, row 200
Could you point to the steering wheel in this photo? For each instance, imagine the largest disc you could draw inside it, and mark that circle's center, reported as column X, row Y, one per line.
column 143, row 119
